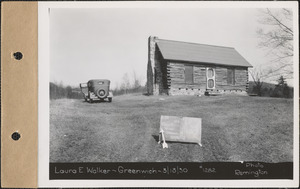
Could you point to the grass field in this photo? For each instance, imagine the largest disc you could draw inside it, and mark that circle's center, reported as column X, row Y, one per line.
column 234, row 128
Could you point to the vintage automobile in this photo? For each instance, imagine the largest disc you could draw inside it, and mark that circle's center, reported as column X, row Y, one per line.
column 96, row 90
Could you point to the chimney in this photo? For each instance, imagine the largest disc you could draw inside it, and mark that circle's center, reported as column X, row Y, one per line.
column 152, row 87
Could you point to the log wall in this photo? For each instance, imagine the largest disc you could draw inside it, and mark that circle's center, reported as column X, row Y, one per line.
column 241, row 79
column 200, row 76
column 161, row 73
column 176, row 80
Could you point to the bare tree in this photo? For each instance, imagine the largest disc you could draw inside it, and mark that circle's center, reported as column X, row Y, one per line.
column 258, row 75
column 131, row 83
column 277, row 37
column 125, row 83
column 136, row 81
column 116, row 88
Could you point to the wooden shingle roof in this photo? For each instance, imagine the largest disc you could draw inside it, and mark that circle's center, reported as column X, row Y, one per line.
column 199, row 53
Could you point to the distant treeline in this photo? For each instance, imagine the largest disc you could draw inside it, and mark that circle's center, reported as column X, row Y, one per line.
column 271, row 90
column 131, row 83
column 58, row 91
column 122, row 91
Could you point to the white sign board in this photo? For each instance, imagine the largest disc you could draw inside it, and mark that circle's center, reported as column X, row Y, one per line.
column 181, row 129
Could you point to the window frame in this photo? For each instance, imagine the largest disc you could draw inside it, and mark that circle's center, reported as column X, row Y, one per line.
column 185, row 74
column 232, row 76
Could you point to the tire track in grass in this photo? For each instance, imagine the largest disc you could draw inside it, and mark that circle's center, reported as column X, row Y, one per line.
column 145, row 143
column 78, row 134
column 214, row 144
column 147, row 149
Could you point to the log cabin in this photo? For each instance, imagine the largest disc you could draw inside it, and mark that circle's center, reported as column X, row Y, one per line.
column 182, row 68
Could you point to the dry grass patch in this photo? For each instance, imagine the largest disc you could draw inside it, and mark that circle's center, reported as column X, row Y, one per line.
column 234, row 128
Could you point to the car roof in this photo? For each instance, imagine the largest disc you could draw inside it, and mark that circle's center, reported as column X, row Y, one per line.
column 95, row 80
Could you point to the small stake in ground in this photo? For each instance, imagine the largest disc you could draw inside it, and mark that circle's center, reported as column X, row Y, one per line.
column 164, row 144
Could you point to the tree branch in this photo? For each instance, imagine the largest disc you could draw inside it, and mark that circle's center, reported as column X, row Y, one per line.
column 279, row 23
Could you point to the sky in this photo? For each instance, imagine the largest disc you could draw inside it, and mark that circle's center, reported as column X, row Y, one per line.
column 108, row 43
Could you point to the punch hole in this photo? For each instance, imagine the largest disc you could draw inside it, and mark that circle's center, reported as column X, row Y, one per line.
column 18, row 55
column 15, row 136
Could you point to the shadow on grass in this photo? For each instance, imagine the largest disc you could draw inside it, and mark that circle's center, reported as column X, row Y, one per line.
column 96, row 102
column 156, row 138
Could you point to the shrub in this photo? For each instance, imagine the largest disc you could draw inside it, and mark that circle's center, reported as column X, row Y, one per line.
column 282, row 89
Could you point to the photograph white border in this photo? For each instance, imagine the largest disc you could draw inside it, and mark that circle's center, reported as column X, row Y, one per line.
column 43, row 98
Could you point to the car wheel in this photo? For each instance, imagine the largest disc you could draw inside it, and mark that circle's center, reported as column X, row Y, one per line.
column 101, row 93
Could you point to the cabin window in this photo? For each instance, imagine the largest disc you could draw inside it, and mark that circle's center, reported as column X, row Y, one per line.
column 210, row 73
column 189, row 74
column 230, row 76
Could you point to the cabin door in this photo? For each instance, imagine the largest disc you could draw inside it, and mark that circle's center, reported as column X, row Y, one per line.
column 210, row 78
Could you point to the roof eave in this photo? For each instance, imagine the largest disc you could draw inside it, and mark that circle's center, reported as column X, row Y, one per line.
column 217, row 64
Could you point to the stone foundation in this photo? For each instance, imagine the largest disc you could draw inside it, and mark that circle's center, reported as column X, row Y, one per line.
column 229, row 92
column 200, row 92
column 193, row 92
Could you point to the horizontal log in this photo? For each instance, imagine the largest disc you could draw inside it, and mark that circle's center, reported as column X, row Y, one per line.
column 187, row 84
column 181, row 72
column 177, row 78
column 177, row 81
column 232, row 85
column 176, row 66
column 176, row 73
column 200, row 78
column 188, row 87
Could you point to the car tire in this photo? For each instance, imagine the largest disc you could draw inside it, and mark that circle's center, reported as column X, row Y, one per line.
column 101, row 93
